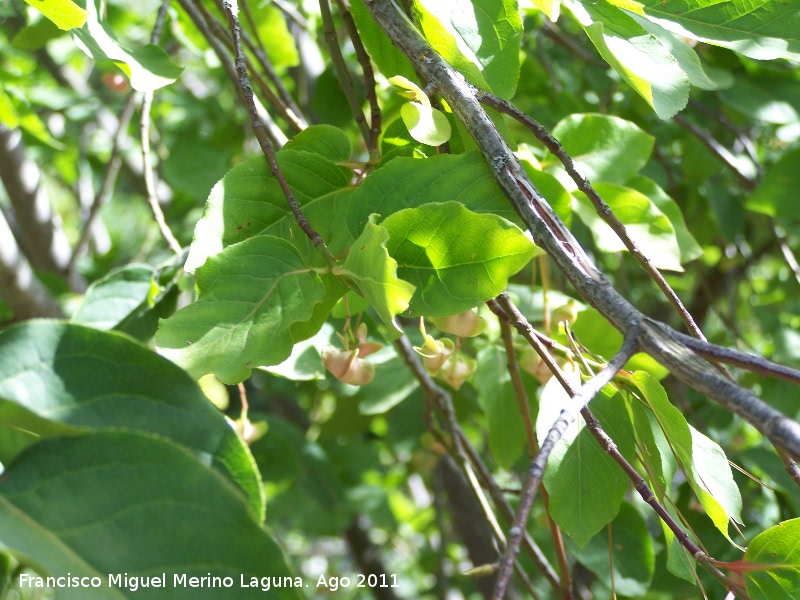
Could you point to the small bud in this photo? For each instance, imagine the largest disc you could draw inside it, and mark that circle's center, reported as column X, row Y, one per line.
column 346, row 366
column 434, row 353
column 532, row 363
column 456, row 370
column 465, row 324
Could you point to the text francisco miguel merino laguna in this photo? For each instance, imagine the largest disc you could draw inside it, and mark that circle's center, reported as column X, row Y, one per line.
column 179, row 580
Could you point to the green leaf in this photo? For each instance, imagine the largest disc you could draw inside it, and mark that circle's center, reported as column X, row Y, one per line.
column 714, row 483
column 64, row 13
column 275, row 35
column 637, row 55
column 250, row 295
column 775, row 556
column 776, row 195
column 606, row 148
column 645, row 223
column 411, row 183
column 454, row 257
column 148, row 68
column 327, row 141
column 481, row 40
column 249, row 202
column 689, row 247
column 760, row 30
column 394, row 383
column 496, row 397
column 425, row 124
column 62, row 378
column 110, row 503
column 702, row 460
column 374, row 273
column 109, row 300
column 586, row 486
column 765, row 98
column 304, row 363
column 388, row 57
column 632, row 556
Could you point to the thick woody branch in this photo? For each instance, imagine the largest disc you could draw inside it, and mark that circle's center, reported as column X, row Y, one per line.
column 548, row 231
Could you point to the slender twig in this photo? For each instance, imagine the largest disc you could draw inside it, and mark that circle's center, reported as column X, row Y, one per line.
column 578, row 401
column 602, row 208
column 788, row 255
column 533, row 446
column 369, row 76
column 342, row 72
column 147, row 165
column 107, row 183
column 266, row 146
column 260, row 52
column 718, row 150
column 464, row 453
column 220, row 43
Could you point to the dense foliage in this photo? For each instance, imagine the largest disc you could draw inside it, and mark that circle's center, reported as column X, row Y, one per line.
column 286, row 299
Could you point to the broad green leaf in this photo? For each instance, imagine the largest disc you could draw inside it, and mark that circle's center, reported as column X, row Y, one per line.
column 481, row 40
column 111, row 299
column 304, row 363
column 64, row 13
column 689, row 247
column 767, row 99
column 325, row 140
column 427, row 125
column 637, row 55
column 275, row 35
column 760, row 30
column 250, row 295
column 62, row 378
column 703, row 461
column 606, row 148
column 659, row 474
column 123, row 502
column 586, row 486
column 148, row 68
column 411, row 183
column 507, row 438
column 454, row 257
column 714, row 483
column 645, row 223
column 776, row 195
column 632, row 556
column 775, row 557
column 248, row 201
column 373, row 272
column 387, row 56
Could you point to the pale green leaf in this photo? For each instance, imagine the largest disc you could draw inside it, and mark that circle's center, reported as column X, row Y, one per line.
column 425, row 124
column 148, row 68
column 689, row 247
column 64, row 13
column 638, row 56
column 389, row 58
column 606, row 148
column 136, row 504
column 498, row 401
column 481, row 39
column 109, row 300
column 760, row 30
column 373, row 272
column 585, row 484
column 455, row 258
column 58, row 378
column 645, row 223
column 776, row 555
column 250, row 295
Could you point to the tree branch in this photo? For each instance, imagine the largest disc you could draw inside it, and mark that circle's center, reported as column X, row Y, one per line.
column 656, row 339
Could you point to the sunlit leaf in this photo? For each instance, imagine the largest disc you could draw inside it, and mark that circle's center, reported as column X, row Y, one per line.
column 64, row 13
column 455, row 258
column 775, row 557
